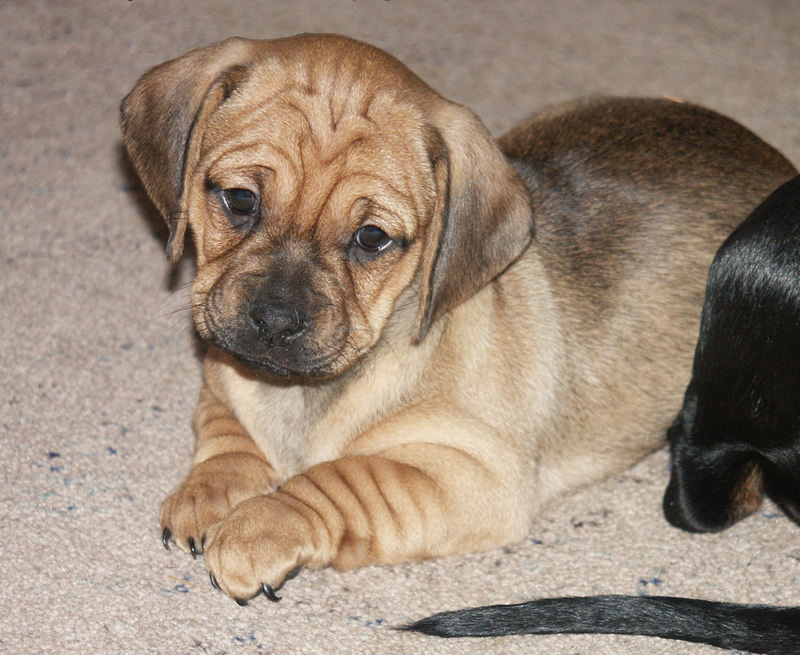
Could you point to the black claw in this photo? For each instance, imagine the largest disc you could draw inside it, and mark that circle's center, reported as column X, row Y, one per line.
column 291, row 575
column 214, row 582
column 241, row 602
column 166, row 535
column 193, row 548
column 203, row 543
column 269, row 592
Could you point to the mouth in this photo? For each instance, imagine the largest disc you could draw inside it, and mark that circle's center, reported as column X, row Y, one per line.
column 295, row 360
column 266, row 365
column 255, row 357
column 309, row 372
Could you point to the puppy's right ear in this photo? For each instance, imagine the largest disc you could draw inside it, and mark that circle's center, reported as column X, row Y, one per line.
column 482, row 220
column 163, row 118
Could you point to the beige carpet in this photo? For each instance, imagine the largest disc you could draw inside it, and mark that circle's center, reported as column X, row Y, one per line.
column 98, row 373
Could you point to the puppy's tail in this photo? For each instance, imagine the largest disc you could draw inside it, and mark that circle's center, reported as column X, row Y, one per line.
column 752, row 628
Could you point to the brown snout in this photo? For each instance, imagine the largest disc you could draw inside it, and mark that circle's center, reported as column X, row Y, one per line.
column 276, row 322
column 279, row 317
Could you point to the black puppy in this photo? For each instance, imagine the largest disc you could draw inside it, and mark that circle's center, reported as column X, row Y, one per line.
column 736, row 438
column 738, row 433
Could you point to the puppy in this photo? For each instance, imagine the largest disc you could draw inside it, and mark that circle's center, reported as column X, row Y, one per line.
column 418, row 336
column 736, row 437
column 738, row 432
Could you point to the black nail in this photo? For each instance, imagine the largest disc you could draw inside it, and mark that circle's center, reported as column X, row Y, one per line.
column 203, row 543
column 192, row 548
column 269, row 592
column 241, row 602
column 291, row 575
column 214, row 582
column 166, row 535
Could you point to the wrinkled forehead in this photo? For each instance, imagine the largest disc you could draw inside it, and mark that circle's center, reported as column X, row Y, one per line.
column 302, row 122
column 329, row 108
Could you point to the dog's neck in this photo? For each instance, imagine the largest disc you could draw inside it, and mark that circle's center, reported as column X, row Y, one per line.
column 288, row 420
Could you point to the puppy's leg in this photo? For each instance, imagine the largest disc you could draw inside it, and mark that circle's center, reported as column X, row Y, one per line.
column 712, row 496
column 227, row 468
column 710, row 487
column 407, row 503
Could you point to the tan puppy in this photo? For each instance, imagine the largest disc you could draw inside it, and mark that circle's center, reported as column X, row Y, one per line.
column 417, row 337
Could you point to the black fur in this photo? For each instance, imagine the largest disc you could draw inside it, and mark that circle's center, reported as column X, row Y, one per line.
column 739, row 429
column 754, row 628
column 736, row 437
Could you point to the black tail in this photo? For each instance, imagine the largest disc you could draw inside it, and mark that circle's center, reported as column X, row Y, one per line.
column 752, row 628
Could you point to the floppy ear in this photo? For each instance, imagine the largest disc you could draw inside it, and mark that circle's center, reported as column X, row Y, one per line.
column 482, row 218
column 163, row 117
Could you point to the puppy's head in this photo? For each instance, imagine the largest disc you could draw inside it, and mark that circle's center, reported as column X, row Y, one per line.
column 322, row 181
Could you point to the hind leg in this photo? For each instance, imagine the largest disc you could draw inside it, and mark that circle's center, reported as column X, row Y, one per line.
column 714, row 495
column 712, row 485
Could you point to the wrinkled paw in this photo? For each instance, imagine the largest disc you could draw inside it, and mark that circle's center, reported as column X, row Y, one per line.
column 257, row 548
column 208, row 494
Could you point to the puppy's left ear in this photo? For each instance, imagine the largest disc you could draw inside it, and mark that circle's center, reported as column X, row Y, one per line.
column 482, row 219
column 163, row 118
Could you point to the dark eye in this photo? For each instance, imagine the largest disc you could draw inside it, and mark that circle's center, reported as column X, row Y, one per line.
column 372, row 239
column 241, row 205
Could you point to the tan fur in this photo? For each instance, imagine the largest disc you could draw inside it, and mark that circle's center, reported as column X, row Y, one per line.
column 748, row 494
column 440, row 393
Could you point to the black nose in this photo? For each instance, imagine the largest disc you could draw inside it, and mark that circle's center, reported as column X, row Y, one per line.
column 277, row 322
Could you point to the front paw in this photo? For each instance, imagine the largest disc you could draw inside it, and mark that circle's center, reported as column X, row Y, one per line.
column 258, row 547
column 208, row 494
